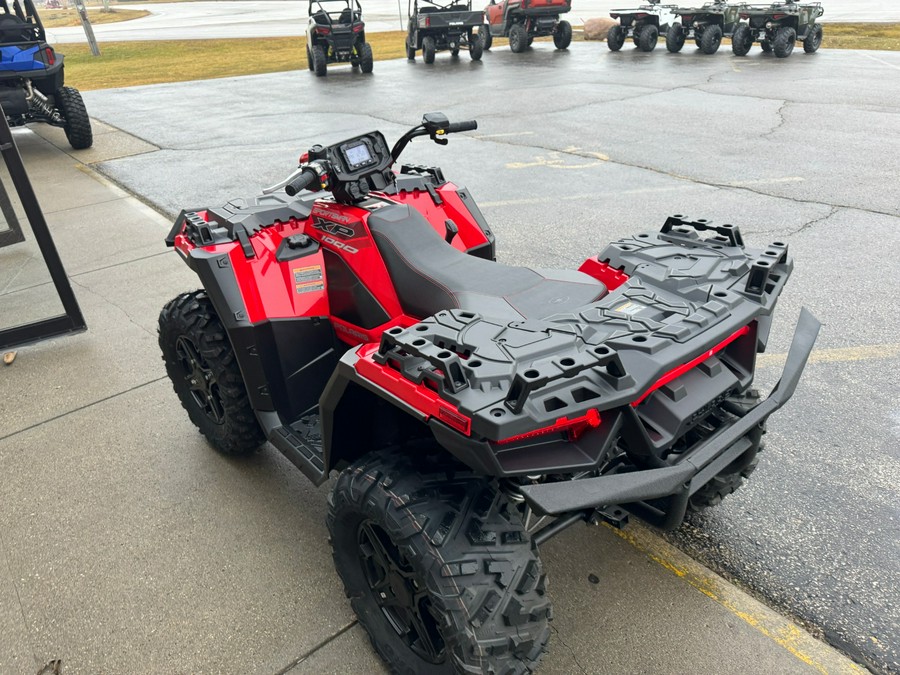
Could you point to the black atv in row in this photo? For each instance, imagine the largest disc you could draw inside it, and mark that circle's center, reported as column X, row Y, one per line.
column 777, row 27
column 436, row 26
column 336, row 35
column 706, row 25
column 31, row 77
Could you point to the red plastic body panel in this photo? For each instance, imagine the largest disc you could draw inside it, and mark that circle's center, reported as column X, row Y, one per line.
column 299, row 287
column 418, row 396
column 682, row 369
column 602, row 272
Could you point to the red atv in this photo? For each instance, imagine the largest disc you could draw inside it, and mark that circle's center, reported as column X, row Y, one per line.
column 471, row 410
column 523, row 20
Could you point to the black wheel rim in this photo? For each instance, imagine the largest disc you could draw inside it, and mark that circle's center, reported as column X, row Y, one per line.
column 403, row 599
column 200, row 379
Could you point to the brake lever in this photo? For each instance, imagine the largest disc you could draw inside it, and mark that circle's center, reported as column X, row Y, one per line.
column 278, row 186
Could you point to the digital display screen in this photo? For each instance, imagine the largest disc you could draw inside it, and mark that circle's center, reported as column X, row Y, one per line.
column 358, row 154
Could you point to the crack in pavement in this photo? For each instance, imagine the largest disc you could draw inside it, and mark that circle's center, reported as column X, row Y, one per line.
column 781, row 121
column 15, row 586
column 571, row 651
column 324, row 643
column 116, row 305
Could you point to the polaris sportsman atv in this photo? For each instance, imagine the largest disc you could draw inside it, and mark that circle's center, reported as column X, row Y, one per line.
column 31, row 77
column 643, row 25
column 336, row 35
column 437, row 26
column 778, row 26
column 470, row 409
column 706, row 25
column 523, row 20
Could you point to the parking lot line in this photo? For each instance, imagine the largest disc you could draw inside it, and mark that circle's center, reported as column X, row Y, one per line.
column 838, row 355
column 770, row 623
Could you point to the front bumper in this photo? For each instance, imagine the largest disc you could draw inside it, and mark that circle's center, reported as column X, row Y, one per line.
column 676, row 483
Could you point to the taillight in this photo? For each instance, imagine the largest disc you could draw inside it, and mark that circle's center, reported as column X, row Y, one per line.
column 51, row 56
column 574, row 428
column 323, row 30
column 427, row 21
column 357, row 28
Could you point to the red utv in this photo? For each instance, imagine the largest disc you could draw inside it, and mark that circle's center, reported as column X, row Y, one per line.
column 523, row 20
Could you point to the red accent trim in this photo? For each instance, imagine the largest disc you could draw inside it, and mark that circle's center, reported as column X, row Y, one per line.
column 575, row 427
column 418, row 396
column 604, row 273
column 681, row 370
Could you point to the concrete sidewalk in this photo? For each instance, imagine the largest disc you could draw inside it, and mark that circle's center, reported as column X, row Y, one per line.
column 127, row 545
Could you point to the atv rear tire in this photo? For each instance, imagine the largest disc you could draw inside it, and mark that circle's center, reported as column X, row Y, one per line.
column 366, row 60
column 813, row 40
column 78, row 124
column 200, row 362
column 454, row 52
column 428, row 49
column 783, row 45
column 309, row 60
column 438, row 567
column 562, row 38
column 712, row 38
column 735, row 474
column 675, row 37
column 488, row 38
column 742, row 40
column 320, row 62
column 476, row 47
column 615, row 38
column 766, row 46
column 648, row 38
column 518, row 38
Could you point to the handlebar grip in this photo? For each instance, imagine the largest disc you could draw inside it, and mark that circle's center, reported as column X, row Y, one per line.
column 303, row 181
column 470, row 125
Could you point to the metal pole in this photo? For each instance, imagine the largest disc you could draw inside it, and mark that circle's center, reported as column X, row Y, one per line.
column 400, row 14
column 86, row 24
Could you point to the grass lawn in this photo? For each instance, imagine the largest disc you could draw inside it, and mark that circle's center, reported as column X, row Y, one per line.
column 124, row 64
column 59, row 18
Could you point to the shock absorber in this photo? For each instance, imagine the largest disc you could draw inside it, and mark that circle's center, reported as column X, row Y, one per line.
column 39, row 104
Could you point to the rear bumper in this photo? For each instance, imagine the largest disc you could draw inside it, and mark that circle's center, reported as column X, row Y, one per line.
column 678, row 481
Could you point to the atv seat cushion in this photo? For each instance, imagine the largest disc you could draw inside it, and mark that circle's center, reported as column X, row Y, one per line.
column 430, row 275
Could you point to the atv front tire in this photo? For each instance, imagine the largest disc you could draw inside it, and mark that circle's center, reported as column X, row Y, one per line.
column 813, row 40
column 712, row 38
column 201, row 363
column 309, row 60
column 366, row 60
column 783, row 45
column 741, row 40
column 648, row 38
column 78, row 124
column 615, row 38
column 562, row 38
column 438, row 567
column 518, row 38
column 675, row 37
column 476, row 47
column 320, row 62
column 428, row 49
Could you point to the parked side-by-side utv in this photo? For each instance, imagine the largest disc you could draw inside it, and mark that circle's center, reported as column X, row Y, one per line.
column 337, row 34
column 437, row 26
column 523, row 20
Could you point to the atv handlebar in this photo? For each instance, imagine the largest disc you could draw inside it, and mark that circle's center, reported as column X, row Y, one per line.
column 434, row 125
column 307, row 177
column 469, row 125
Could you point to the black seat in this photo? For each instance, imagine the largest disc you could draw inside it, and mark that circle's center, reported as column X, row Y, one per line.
column 430, row 275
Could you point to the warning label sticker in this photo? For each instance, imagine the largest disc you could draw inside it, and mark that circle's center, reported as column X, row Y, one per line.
column 311, row 273
column 629, row 308
column 310, row 286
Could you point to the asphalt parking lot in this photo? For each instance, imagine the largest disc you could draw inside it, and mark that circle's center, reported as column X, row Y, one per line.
column 576, row 148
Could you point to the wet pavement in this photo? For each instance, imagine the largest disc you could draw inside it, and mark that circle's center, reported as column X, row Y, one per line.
column 574, row 149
